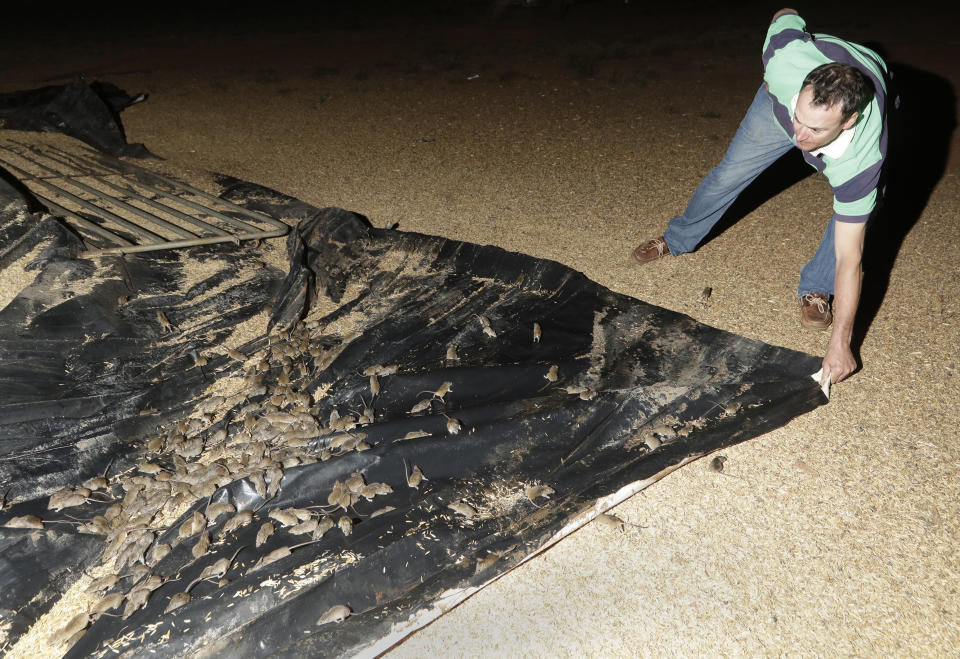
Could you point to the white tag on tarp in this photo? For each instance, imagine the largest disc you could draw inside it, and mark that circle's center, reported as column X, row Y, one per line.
column 825, row 387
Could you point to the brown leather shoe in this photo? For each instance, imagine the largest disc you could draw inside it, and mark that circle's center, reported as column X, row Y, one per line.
column 815, row 311
column 651, row 250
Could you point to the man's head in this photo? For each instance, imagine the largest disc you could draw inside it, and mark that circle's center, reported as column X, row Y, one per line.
column 831, row 99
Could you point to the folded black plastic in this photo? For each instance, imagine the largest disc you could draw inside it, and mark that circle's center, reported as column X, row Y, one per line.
column 519, row 390
column 88, row 112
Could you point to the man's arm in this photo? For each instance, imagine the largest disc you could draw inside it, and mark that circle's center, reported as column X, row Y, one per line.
column 848, row 247
column 785, row 10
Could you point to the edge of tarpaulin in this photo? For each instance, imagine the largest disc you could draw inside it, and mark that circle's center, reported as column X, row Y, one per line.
column 449, row 599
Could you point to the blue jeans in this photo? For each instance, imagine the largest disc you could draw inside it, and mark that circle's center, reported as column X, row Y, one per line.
column 758, row 143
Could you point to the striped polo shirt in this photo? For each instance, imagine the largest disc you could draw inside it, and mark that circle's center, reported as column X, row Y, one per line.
column 851, row 163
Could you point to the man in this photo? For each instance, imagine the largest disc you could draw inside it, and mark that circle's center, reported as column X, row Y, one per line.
column 828, row 98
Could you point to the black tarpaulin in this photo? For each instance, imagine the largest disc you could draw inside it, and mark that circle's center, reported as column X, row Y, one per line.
column 217, row 394
column 88, row 112
column 614, row 394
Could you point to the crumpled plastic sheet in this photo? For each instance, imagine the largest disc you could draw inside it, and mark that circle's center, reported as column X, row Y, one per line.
column 86, row 111
column 612, row 396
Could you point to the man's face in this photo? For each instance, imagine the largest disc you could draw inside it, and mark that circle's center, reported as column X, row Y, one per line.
column 818, row 125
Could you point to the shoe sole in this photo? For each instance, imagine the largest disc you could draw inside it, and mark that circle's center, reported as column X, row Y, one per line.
column 815, row 326
column 636, row 256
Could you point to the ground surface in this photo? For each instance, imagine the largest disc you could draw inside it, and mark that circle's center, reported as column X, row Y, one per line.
column 571, row 135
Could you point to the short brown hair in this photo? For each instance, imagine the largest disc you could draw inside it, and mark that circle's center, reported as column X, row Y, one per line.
column 840, row 83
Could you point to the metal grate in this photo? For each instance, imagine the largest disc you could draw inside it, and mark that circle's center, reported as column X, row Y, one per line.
column 126, row 208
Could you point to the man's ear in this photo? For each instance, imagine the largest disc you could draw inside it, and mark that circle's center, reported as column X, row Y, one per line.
column 851, row 120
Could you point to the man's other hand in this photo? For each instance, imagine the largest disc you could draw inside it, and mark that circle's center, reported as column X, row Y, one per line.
column 785, row 10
